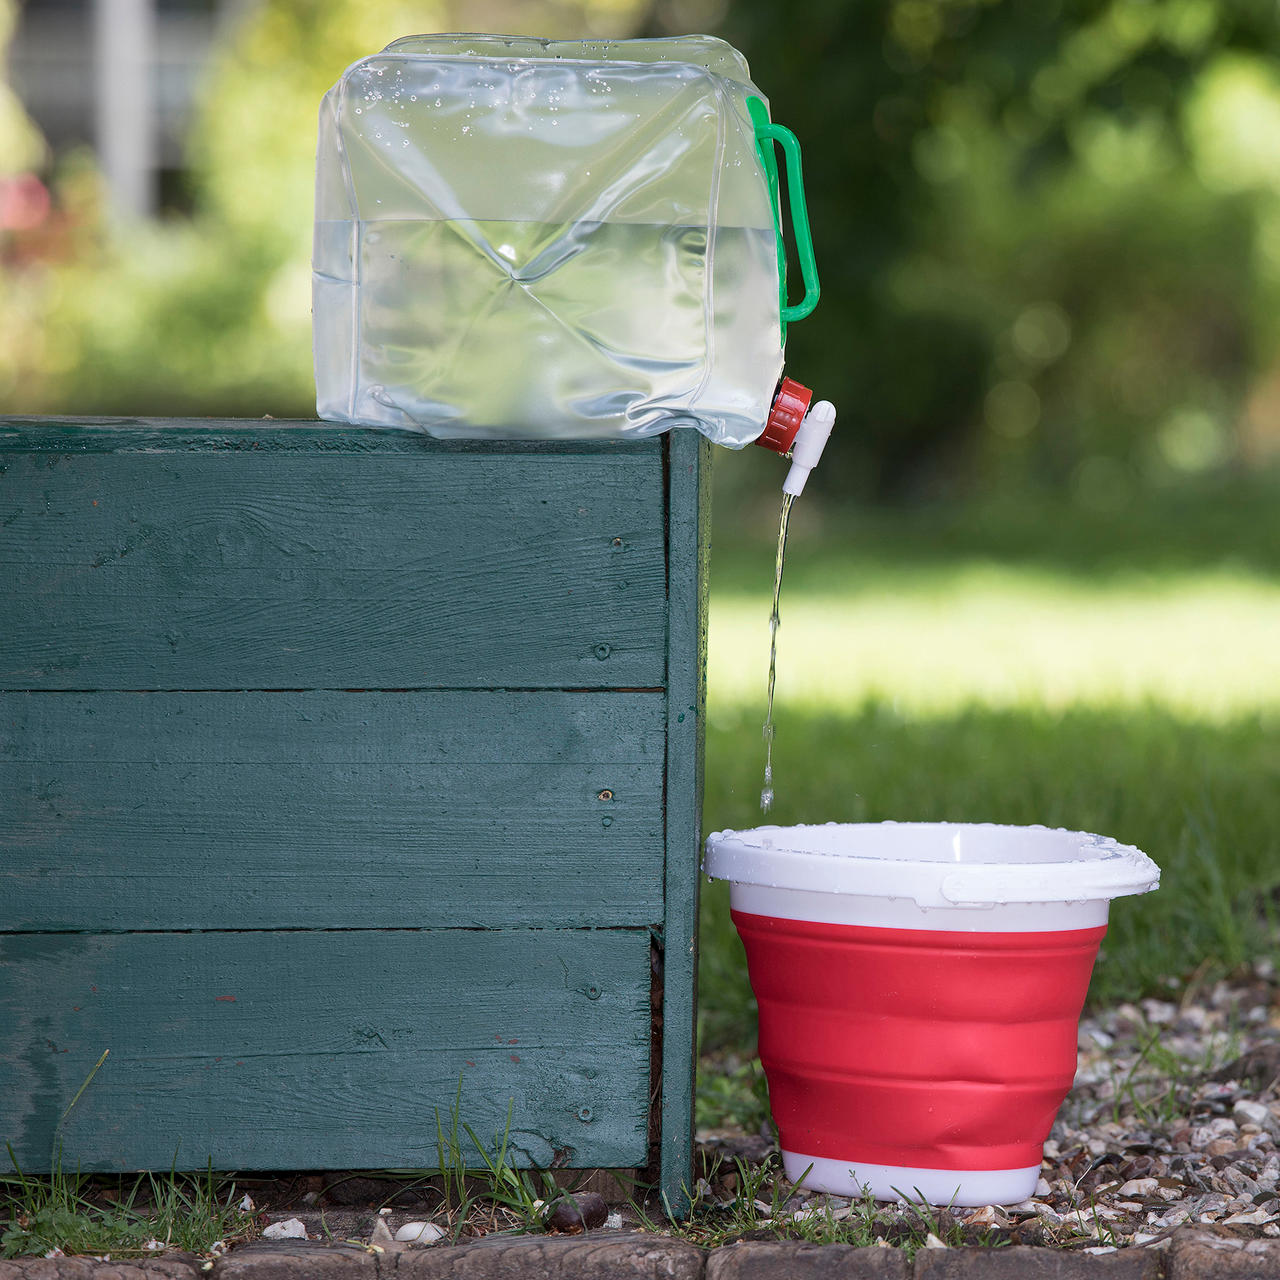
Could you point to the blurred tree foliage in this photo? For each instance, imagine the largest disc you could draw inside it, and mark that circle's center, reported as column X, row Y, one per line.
column 21, row 147
column 211, row 315
column 1048, row 232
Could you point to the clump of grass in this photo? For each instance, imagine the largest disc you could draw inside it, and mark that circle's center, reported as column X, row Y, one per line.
column 763, row 1206
column 78, row 1214
column 482, row 1192
column 516, row 1194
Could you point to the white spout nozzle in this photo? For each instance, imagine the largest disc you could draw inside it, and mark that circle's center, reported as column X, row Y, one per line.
column 810, row 441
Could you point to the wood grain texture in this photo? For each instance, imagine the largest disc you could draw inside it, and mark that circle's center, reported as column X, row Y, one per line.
column 75, row 435
column 252, row 569
column 315, row 1049
column 330, row 810
column 688, row 547
column 418, row 767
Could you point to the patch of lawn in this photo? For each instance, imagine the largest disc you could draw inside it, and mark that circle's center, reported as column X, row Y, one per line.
column 78, row 1214
column 1115, row 674
column 1201, row 799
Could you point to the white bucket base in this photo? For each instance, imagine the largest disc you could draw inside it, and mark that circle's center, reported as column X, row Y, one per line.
column 942, row 1187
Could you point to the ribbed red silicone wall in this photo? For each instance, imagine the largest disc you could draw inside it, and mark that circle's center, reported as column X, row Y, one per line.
column 912, row 1047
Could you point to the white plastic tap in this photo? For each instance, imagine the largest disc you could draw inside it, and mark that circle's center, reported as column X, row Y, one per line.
column 809, row 443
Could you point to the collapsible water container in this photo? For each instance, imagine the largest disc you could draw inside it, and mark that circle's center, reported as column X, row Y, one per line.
column 524, row 238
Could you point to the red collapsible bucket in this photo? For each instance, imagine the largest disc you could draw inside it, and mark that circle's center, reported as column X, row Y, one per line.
column 919, row 987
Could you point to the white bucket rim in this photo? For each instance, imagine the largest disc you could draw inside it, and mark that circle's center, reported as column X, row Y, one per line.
column 960, row 864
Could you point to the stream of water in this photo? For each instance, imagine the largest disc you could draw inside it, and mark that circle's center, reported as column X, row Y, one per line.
column 766, row 793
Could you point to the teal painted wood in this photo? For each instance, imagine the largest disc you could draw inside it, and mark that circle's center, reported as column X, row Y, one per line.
column 315, row 1049
column 309, row 599
column 330, row 810
column 688, row 548
column 248, row 569
column 68, row 436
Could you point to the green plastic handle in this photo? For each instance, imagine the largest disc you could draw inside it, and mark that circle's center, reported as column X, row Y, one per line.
column 768, row 133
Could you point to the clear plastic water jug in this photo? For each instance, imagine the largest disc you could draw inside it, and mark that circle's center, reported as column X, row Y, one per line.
column 524, row 238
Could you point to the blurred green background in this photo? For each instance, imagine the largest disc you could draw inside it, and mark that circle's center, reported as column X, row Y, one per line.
column 1049, row 232
column 1035, row 578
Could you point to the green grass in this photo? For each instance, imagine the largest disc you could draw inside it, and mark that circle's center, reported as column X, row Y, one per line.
column 750, row 1201
column 127, row 1219
column 1119, row 675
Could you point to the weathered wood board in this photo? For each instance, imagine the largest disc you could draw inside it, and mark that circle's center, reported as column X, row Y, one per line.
column 331, row 810
column 228, row 570
column 258, row 1050
column 338, row 766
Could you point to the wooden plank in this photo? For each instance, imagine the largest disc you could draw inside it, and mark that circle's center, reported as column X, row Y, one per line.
column 330, row 810
column 71, row 435
column 688, row 549
column 269, row 569
column 317, row 1049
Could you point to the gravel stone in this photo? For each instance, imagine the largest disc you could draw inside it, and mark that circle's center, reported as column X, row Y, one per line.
column 1146, row 1142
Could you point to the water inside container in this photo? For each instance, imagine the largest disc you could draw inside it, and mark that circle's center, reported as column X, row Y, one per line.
column 586, row 328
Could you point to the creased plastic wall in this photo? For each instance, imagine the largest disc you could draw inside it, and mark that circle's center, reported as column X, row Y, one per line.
column 515, row 238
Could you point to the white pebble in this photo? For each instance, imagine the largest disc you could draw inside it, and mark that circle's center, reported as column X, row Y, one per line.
column 1255, row 1219
column 289, row 1229
column 419, row 1233
column 1159, row 1012
column 1139, row 1187
column 986, row 1216
column 1252, row 1112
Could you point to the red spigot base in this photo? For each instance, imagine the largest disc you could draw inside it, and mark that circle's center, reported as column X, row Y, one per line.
column 790, row 404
